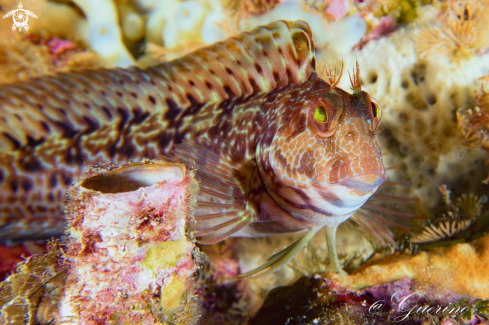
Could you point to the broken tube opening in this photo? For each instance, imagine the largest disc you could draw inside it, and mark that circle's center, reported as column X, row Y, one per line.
column 131, row 178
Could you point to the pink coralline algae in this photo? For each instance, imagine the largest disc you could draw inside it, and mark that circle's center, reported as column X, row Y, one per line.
column 57, row 46
column 127, row 257
column 385, row 26
column 116, row 217
column 336, row 9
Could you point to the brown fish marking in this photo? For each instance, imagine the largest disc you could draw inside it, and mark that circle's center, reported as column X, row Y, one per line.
column 242, row 110
column 53, row 127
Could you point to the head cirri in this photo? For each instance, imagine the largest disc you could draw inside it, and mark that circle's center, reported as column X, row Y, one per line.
column 321, row 161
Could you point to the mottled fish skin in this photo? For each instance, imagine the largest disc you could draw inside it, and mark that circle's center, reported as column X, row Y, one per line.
column 53, row 128
column 243, row 107
column 318, row 180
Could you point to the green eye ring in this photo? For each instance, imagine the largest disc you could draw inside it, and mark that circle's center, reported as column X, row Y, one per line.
column 322, row 119
column 320, row 114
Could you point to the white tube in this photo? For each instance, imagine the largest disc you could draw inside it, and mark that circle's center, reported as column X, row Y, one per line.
column 129, row 258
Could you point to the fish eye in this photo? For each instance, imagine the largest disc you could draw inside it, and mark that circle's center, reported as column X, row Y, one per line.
column 321, row 117
column 320, row 114
column 376, row 111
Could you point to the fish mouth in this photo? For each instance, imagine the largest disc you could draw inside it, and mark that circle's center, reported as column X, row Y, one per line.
column 364, row 184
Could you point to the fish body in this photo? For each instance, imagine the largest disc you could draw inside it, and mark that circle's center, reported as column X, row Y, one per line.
column 276, row 149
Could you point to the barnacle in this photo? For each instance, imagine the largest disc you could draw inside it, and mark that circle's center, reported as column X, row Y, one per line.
column 473, row 123
column 463, row 32
column 442, row 229
column 462, row 214
column 469, row 205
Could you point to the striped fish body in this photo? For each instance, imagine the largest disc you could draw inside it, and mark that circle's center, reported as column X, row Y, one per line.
column 277, row 149
column 52, row 128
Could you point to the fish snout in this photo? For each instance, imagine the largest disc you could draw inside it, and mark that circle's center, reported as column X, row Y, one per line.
column 364, row 184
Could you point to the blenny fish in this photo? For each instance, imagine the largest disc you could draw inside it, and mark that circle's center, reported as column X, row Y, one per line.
column 276, row 148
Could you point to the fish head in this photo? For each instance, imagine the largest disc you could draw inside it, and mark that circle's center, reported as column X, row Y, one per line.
column 320, row 160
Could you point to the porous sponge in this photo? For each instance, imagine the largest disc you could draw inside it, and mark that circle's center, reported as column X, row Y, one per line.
column 420, row 98
column 473, row 123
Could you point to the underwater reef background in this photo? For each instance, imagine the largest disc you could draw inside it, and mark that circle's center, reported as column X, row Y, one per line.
column 427, row 65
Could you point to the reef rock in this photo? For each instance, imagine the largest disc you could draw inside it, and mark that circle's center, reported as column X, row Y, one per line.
column 443, row 286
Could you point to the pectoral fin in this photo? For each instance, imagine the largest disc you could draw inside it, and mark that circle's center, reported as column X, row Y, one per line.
column 281, row 258
column 222, row 206
column 375, row 218
column 333, row 256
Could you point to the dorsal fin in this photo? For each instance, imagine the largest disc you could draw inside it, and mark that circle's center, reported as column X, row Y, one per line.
column 266, row 58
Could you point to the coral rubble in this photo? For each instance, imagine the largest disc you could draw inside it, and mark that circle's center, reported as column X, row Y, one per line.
column 464, row 221
column 127, row 257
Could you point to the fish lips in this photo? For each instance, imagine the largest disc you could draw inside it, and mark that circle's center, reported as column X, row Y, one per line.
column 364, row 184
column 361, row 184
